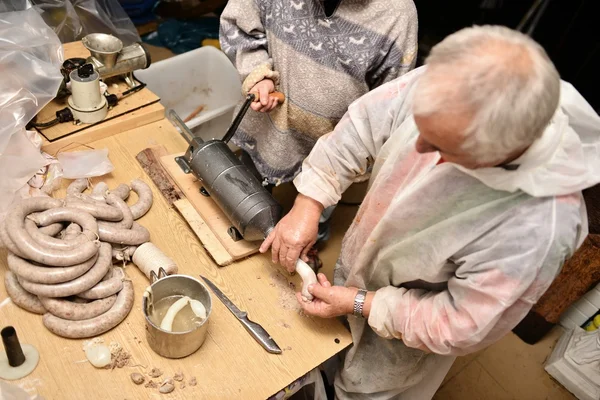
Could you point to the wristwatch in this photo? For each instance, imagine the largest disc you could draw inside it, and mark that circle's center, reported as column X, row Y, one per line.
column 359, row 302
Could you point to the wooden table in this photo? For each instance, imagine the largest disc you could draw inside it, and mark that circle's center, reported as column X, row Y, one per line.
column 230, row 364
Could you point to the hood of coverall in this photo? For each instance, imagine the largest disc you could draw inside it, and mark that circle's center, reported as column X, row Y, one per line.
column 564, row 160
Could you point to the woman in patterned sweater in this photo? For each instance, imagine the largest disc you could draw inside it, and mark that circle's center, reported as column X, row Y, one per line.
column 323, row 55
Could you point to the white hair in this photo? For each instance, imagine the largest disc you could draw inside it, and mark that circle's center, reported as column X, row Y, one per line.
column 502, row 77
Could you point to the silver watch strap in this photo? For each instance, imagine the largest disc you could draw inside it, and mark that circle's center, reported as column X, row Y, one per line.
column 359, row 302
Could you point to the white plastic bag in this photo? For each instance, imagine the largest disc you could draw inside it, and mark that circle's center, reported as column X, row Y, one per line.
column 48, row 178
column 85, row 164
column 30, row 59
column 73, row 19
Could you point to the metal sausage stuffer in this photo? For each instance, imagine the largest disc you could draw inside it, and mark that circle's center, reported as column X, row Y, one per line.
column 252, row 210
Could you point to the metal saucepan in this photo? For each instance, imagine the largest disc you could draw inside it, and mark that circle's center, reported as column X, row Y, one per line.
column 175, row 344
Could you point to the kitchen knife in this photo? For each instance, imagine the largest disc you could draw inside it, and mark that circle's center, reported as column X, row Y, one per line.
column 255, row 330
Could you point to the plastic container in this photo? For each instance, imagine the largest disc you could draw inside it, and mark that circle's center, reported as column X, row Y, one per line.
column 204, row 76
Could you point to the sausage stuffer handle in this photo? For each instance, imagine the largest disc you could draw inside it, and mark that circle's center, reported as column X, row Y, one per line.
column 250, row 98
column 189, row 136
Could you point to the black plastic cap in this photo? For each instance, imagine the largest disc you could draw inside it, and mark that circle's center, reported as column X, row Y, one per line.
column 85, row 70
column 13, row 349
column 112, row 100
column 64, row 115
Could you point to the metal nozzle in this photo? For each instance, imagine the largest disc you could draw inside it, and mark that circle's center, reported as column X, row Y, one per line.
column 183, row 129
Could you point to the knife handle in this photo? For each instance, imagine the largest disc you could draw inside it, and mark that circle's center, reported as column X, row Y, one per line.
column 261, row 335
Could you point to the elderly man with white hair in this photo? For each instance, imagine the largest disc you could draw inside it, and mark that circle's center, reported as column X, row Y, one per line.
column 479, row 159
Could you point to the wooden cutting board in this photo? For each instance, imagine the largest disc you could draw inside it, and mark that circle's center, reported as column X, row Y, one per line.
column 209, row 215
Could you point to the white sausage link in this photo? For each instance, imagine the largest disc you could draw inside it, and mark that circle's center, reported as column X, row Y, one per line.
column 53, row 243
column 77, row 186
column 95, row 208
column 15, row 227
column 7, row 242
column 51, row 230
column 308, row 278
column 106, row 287
column 86, row 221
column 48, row 275
column 93, row 326
column 78, row 311
column 118, row 203
column 78, row 285
column 108, row 275
column 100, row 189
column 122, row 191
column 71, row 232
column 133, row 237
column 20, row 296
column 145, row 198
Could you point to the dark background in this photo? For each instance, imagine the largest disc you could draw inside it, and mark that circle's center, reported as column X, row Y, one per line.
column 569, row 30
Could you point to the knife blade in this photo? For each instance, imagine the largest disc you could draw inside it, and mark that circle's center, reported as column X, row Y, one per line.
column 256, row 330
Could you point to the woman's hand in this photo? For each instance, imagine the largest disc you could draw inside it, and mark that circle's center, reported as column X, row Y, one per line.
column 266, row 103
column 295, row 234
column 329, row 301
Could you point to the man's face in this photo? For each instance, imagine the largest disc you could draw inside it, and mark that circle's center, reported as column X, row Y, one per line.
column 444, row 133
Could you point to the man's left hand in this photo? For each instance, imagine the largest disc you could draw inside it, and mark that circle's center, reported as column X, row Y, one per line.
column 329, row 301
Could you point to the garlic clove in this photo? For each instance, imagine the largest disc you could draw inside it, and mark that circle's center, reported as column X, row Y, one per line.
column 98, row 355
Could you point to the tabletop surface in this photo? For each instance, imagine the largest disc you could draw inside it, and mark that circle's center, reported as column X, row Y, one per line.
column 230, row 364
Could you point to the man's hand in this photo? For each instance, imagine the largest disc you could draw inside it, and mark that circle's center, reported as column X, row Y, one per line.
column 295, row 234
column 266, row 103
column 329, row 301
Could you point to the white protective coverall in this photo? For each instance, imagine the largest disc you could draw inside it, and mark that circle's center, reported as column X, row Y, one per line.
column 457, row 257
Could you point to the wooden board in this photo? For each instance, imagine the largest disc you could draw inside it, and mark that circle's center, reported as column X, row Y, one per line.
column 136, row 102
column 230, row 364
column 208, row 210
column 149, row 159
column 210, row 242
column 131, row 120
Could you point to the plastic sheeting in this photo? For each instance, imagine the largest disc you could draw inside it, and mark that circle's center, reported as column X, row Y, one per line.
column 85, row 164
column 73, row 19
column 13, row 392
column 30, row 59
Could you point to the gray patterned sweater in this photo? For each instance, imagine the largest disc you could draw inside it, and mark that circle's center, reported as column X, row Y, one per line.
column 321, row 63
